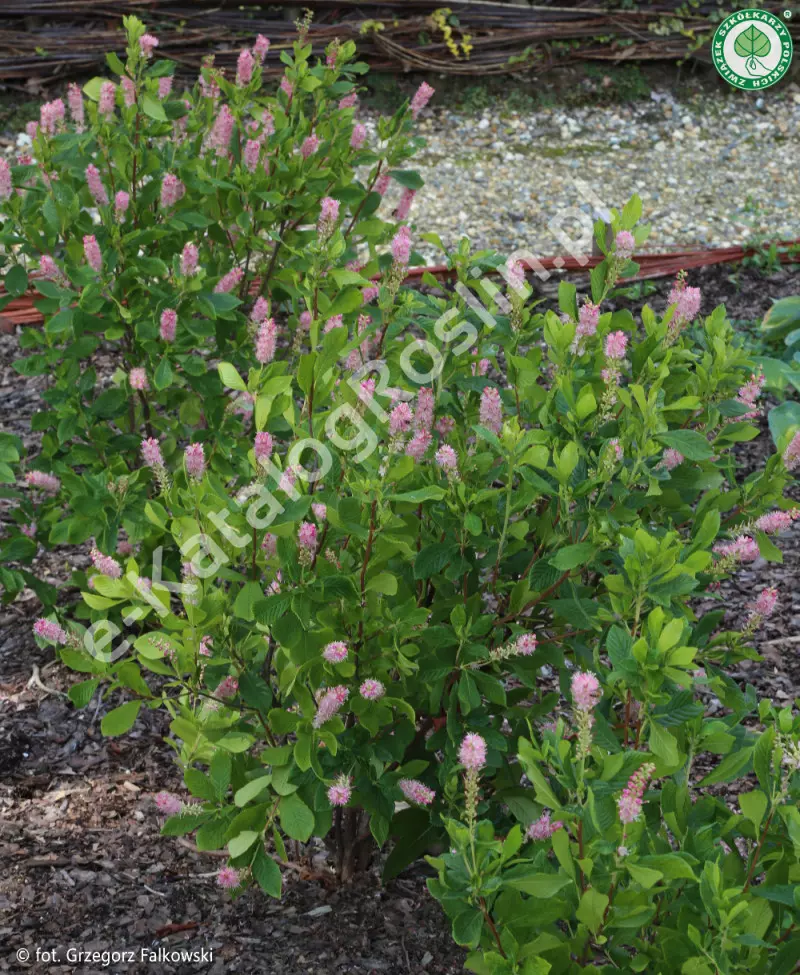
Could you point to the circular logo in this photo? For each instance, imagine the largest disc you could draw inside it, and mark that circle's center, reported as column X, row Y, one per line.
column 752, row 49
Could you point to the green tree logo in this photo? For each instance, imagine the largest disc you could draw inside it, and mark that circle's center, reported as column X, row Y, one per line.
column 753, row 44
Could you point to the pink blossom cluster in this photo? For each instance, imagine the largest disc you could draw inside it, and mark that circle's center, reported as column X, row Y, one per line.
column 359, row 136
column 418, row 445
column 616, row 344
column 310, row 145
column 228, row 878
column 624, row 243
column 320, row 510
column 630, row 802
column 543, row 829
column 106, row 101
column 339, row 793
column 336, row 652
column 687, row 304
column 128, row 92
column 164, row 89
column 791, row 456
column 585, row 690
column 371, row 689
column 775, row 522
column 227, row 688
column 401, row 246
column 91, row 250
column 328, row 217
column 422, row 96
column 307, row 536
column 168, row 324
column 229, row 281
column 423, row 414
column 137, row 378
column 172, row 190
column 244, row 68
column 764, row 605
column 269, row 545
column 349, row 101
column 195, row 460
column 151, row 453
column 189, row 258
column 400, row 419
column 95, row 184
column 251, row 154
column 6, row 183
column 447, row 459
column 168, row 804
column 741, row 549
column 219, row 138
column 526, row 644
column 121, row 203
column 404, row 206
column 672, row 458
column 416, row 791
column 266, row 341
column 51, row 116
column 330, row 704
column 46, row 630
column 261, row 47
column 75, row 102
column 262, row 446
column 205, row 648
column 472, row 752
column 105, row 564
column 749, row 394
column 147, row 44
column 45, row 482
column 491, row 410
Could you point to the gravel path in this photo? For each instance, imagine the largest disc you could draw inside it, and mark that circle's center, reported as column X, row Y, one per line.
column 714, row 170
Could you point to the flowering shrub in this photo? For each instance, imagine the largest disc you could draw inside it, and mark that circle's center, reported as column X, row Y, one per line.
column 359, row 520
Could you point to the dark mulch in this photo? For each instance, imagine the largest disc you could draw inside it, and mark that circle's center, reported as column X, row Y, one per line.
column 84, row 864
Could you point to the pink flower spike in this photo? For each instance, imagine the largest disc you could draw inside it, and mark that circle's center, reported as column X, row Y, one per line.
column 421, row 98
column 168, row 804
column 320, row 510
column 330, row 704
column 252, row 151
column 172, row 190
column 625, row 244
column 543, row 829
column 229, row 281
column 169, row 324
column 491, row 411
column 189, row 259
column 309, row 146
column 91, row 250
column 106, row 102
column 341, row 790
column 105, row 564
column 269, row 545
column 228, row 878
column 75, row 102
column 266, row 341
column 585, row 690
column 472, row 753
column 148, row 43
column 446, row 458
column 195, row 460
column 418, row 446
column 630, row 802
column 151, row 453
column 164, row 86
column 349, row 101
column 261, row 47
column 404, row 206
column 45, row 482
column 307, row 536
column 95, row 184
column 244, row 68
column 765, row 604
column 263, row 446
column 335, row 653
column 52, row 632
column 616, row 343
column 138, row 379
column 359, row 136
column 401, row 246
column 775, row 522
column 128, row 92
column 416, row 791
column 400, row 419
column 672, row 458
column 6, row 183
column 227, row 688
column 121, row 202
column 371, row 689
column 526, row 644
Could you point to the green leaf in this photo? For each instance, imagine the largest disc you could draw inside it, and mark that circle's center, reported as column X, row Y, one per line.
column 81, row 694
column 251, row 790
column 645, row 876
column 467, row 927
column 230, row 377
column 16, row 280
column 266, row 873
column 297, row 820
column 383, row 582
column 153, row 108
column 163, row 374
column 592, row 908
column 121, row 719
column 241, row 843
column 663, row 745
column 690, row 443
column 728, row 768
column 432, row 559
column 541, row 885
column 753, row 805
column 408, row 178
column 571, row 556
column 430, row 493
